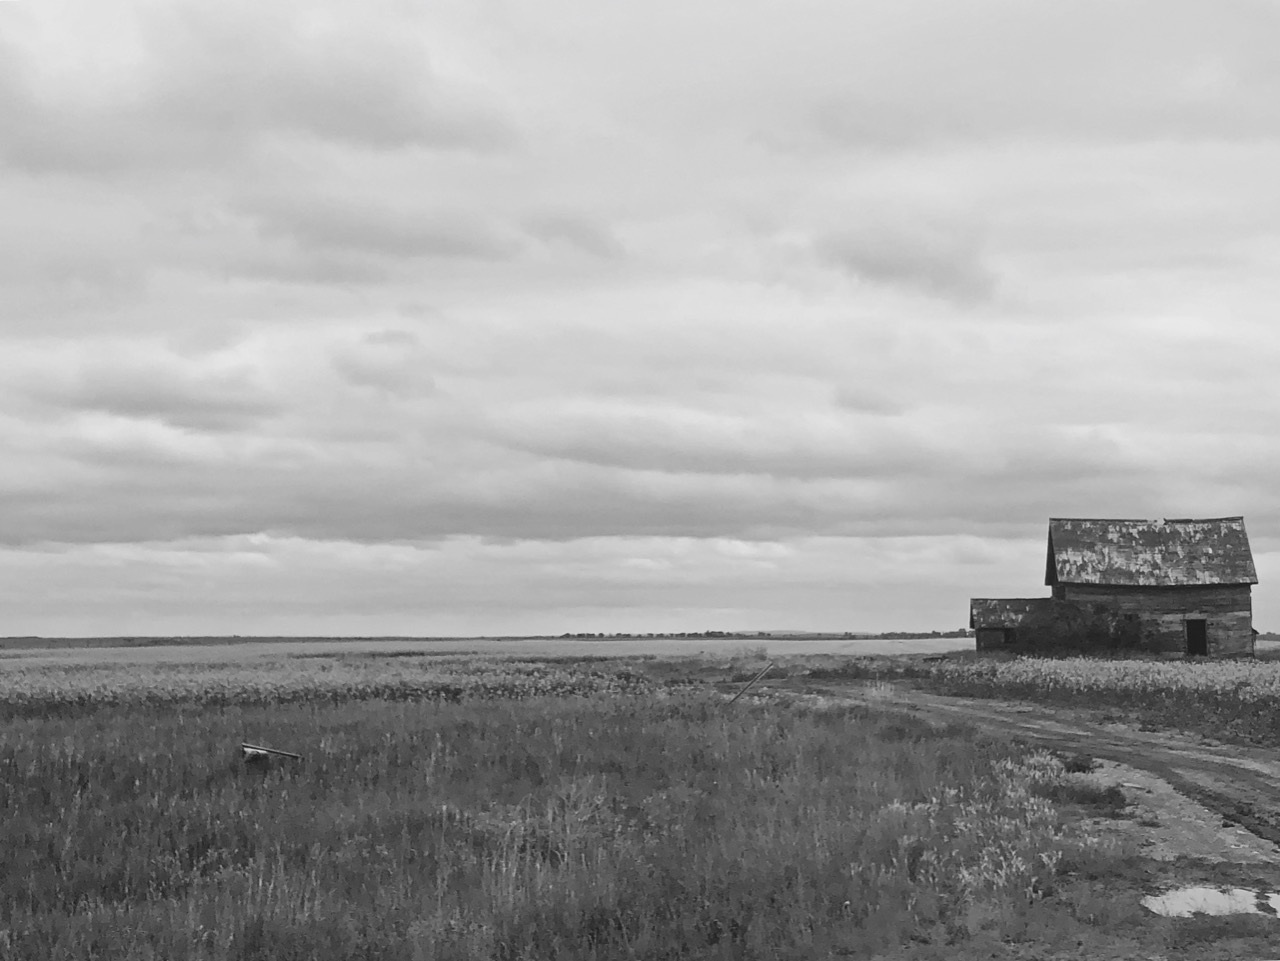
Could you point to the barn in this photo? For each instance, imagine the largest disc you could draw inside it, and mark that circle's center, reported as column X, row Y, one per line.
column 1183, row 586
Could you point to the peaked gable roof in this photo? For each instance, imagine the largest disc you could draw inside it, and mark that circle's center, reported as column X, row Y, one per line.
column 1141, row 553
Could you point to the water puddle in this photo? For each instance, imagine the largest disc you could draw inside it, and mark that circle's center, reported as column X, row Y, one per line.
column 1184, row 902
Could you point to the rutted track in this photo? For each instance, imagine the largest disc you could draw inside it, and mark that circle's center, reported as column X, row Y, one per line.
column 1242, row 784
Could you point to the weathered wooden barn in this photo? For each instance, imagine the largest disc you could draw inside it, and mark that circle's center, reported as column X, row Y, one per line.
column 1179, row 586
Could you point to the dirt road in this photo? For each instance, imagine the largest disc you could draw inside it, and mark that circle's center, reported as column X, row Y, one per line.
column 1241, row 784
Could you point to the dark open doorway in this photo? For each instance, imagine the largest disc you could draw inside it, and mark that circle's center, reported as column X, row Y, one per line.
column 1197, row 638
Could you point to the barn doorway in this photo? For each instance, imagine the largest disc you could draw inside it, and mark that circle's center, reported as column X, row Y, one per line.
column 1197, row 637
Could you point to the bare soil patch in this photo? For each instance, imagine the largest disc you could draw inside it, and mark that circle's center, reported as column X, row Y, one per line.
column 1165, row 825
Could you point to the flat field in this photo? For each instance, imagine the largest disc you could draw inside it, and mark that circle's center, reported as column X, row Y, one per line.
column 454, row 807
column 1232, row 700
column 69, row 651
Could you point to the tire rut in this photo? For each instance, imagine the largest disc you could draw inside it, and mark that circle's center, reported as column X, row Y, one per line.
column 1240, row 784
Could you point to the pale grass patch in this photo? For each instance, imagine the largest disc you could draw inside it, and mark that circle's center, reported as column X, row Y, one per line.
column 878, row 690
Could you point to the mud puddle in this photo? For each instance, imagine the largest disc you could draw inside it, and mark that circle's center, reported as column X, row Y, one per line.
column 1199, row 899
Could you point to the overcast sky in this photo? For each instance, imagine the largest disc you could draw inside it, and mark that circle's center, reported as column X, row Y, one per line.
column 500, row 317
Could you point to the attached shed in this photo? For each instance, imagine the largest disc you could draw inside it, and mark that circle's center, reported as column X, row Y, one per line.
column 1188, row 582
column 995, row 620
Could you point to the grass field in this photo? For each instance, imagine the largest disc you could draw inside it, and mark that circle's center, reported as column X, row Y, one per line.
column 58, row 688
column 95, row 651
column 1233, row 699
column 531, row 811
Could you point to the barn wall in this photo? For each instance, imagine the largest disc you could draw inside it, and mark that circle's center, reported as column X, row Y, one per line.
column 1227, row 611
column 989, row 638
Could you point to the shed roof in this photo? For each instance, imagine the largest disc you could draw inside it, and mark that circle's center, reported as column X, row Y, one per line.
column 999, row 611
column 1142, row 553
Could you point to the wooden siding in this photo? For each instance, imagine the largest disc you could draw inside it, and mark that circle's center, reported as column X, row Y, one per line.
column 990, row 638
column 1226, row 609
column 999, row 611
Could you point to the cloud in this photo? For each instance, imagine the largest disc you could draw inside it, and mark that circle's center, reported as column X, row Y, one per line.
column 578, row 232
column 163, row 390
column 868, row 401
column 931, row 258
column 191, row 85
column 841, row 300
column 395, row 361
column 375, row 230
column 998, row 71
column 348, row 78
column 592, row 584
column 670, row 439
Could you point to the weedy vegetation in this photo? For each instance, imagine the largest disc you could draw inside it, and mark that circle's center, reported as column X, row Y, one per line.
column 51, row 689
column 514, row 810
column 1233, row 699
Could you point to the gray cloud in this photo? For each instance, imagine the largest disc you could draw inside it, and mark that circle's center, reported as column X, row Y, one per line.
column 211, row 80
column 394, row 361
column 164, row 392
column 378, row 230
column 931, row 277
column 866, row 400
column 129, row 497
column 578, row 232
column 667, row 439
column 347, row 81
column 935, row 259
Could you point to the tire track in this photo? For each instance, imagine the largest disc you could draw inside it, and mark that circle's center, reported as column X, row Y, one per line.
column 1241, row 784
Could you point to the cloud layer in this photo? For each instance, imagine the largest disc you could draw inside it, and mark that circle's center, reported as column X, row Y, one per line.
column 453, row 320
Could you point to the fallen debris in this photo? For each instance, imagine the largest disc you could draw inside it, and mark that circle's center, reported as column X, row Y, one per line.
column 763, row 672
column 256, row 752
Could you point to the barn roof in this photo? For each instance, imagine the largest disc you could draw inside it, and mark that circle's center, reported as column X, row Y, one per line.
column 1141, row 553
column 999, row 611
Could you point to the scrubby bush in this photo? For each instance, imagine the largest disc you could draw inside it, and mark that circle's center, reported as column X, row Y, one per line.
column 1053, row 625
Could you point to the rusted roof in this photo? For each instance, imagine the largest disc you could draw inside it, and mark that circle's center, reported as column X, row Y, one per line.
column 1141, row 553
column 999, row 611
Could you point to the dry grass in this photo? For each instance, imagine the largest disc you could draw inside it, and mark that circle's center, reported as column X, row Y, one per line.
column 625, row 816
column 601, row 826
column 1231, row 700
column 52, row 688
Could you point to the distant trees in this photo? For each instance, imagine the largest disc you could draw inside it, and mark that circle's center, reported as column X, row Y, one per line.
column 901, row 635
column 818, row 635
column 588, row 634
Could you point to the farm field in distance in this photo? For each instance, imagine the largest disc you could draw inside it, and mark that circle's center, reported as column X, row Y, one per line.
column 90, row 651
column 468, row 806
column 1224, row 699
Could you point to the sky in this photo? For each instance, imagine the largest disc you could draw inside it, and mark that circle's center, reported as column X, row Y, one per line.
column 487, row 317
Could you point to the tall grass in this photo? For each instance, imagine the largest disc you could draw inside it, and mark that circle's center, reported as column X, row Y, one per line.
column 1224, row 699
column 590, row 827
column 52, row 688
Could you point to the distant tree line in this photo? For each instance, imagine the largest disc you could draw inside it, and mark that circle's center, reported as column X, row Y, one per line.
column 886, row 636
column 900, row 635
column 588, row 634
